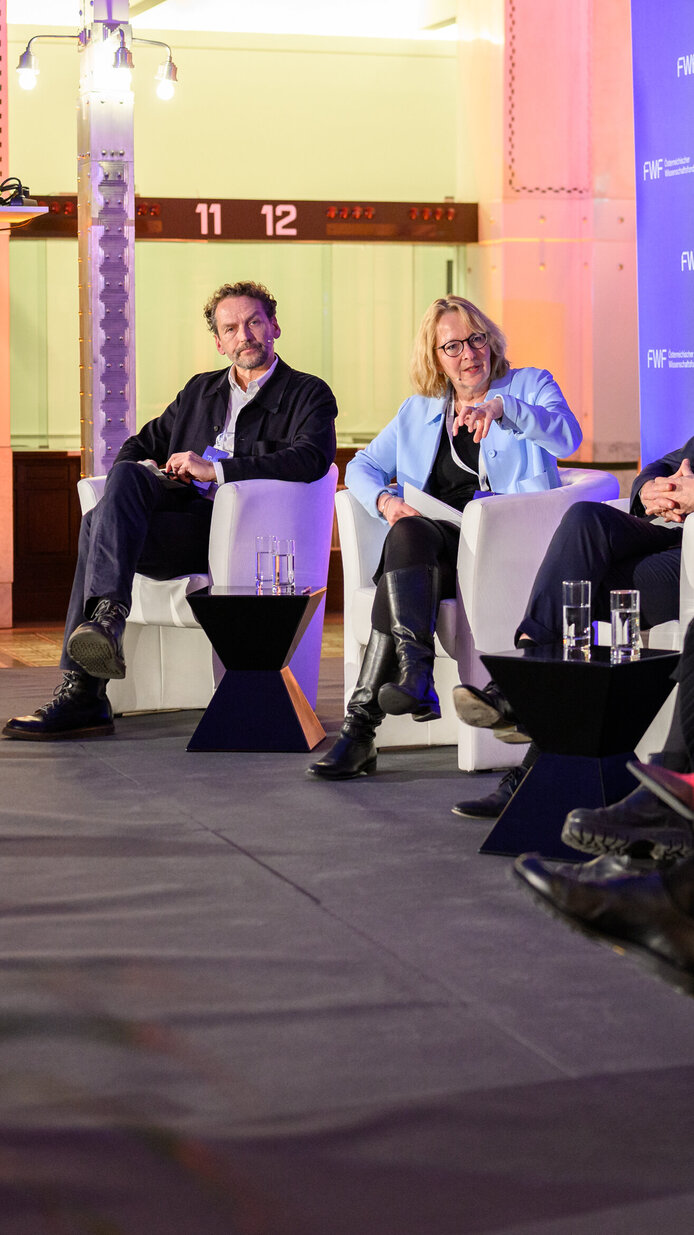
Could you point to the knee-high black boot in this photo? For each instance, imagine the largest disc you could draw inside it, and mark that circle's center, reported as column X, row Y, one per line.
column 413, row 596
column 354, row 751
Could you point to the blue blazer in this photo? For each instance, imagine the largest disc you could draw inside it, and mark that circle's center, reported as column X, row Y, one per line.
column 518, row 455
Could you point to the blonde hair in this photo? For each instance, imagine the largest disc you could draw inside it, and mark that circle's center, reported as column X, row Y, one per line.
column 427, row 378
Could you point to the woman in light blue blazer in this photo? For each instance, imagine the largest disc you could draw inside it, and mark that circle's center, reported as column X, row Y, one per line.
column 474, row 425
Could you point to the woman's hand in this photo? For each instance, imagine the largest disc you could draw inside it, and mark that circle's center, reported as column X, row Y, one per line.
column 477, row 417
column 393, row 508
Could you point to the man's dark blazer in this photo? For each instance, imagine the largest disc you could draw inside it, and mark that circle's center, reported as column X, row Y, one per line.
column 667, row 466
column 287, row 432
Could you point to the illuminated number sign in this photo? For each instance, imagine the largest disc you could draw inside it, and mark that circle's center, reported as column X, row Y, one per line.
column 181, row 218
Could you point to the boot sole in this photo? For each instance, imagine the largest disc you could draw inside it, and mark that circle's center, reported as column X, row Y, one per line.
column 661, row 844
column 94, row 653
column 474, row 711
column 396, row 702
column 94, row 731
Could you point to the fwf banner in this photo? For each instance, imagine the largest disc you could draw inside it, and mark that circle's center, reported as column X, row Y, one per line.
column 663, row 58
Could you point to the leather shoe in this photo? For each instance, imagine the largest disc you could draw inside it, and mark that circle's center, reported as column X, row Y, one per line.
column 97, row 645
column 640, row 826
column 629, row 910
column 676, row 789
column 79, row 709
column 488, row 709
column 347, row 758
column 492, row 806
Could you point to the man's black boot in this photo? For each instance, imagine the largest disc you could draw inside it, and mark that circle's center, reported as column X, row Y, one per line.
column 353, row 753
column 79, row 709
column 97, row 645
column 413, row 597
column 640, row 826
column 492, row 806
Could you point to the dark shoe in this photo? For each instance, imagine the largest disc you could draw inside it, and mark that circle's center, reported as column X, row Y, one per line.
column 630, row 911
column 492, row 806
column 413, row 597
column 97, row 645
column 79, row 709
column 348, row 757
column 640, row 826
column 354, row 751
column 676, row 789
column 488, row 709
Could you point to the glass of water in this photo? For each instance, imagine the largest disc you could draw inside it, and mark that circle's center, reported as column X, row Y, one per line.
column 625, row 606
column 265, row 563
column 284, row 565
column 575, row 595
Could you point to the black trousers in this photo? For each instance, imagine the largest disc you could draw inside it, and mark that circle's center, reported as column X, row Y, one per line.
column 140, row 524
column 613, row 550
column 415, row 541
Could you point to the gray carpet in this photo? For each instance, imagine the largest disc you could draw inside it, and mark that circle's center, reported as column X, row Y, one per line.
column 237, row 1002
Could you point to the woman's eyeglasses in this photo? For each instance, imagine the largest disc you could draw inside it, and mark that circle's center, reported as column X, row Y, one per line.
column 454, row 347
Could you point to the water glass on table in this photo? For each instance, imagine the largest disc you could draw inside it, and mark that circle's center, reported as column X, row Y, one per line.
column 265, row 563
column 575, row 595
column 284, row 565
column 625, row 623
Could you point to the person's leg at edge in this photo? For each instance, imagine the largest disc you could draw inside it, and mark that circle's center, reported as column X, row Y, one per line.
column 401, row 642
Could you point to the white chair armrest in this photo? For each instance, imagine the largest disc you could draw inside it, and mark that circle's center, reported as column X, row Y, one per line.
column 90, row 490
column 687, row 576
column 361, row 541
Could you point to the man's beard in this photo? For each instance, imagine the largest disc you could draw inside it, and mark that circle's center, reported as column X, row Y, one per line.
column 251, row 357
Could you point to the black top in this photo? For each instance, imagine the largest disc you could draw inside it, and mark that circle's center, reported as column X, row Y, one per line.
column 447, row 481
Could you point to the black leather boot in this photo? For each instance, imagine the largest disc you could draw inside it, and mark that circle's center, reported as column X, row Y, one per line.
column 413, row 596
column 353, row 753
column 79, row 709
column 97, row 645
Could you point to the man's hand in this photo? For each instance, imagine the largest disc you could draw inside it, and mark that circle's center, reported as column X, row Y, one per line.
column 186, row 464
column 393, row 508
column 477, row 417
column 671, row 497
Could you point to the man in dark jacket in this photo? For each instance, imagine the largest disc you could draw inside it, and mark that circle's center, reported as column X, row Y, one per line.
column 256, row 419
column 612, row 549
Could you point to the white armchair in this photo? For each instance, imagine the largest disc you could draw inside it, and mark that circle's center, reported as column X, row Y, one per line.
column 170, row 663
column 502, row 542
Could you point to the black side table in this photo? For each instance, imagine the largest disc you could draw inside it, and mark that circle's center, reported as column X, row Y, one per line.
column 586, row 717
column 258, row 704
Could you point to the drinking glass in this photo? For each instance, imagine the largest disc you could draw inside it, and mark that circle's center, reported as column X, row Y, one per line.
column 625, row 607
column 264, row 563
column 284, row 565
column 576, row 615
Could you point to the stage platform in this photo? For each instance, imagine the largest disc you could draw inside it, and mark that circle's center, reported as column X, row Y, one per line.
column 234, row 1001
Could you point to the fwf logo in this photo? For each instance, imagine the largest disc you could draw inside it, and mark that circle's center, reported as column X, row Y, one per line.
column 652, row 169
column 687, row 259
column 685, row 65
column 656, row 357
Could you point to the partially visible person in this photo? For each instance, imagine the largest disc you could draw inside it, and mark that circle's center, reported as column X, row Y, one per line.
column 475, row 424
column 256, row 418
column 648, row 912
column 613, row 549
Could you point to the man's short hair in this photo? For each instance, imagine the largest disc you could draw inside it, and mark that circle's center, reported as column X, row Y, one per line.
column 256, row 291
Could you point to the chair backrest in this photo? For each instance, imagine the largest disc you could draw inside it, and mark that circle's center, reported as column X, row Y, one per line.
column 503, row 540
column 248, row 508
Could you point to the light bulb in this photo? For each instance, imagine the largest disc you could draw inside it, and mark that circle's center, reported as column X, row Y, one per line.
column 165, row 89
column 26, row 78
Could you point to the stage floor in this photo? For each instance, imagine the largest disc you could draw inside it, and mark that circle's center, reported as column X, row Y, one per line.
column 238, row 1002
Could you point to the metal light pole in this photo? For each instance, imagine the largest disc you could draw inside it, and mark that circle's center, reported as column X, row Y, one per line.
column 106, row 226
column 106, row 221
